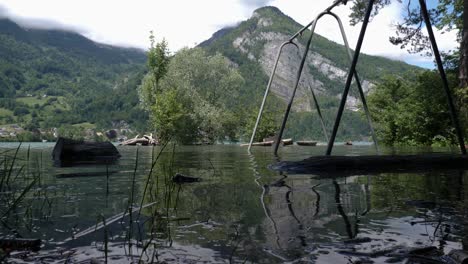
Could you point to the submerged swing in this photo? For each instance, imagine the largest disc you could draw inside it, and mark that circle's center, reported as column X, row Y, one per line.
column 314, row 22
column 353, row 74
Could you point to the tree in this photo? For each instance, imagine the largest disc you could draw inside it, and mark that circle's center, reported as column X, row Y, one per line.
column 211, row 85
column 447, row 15
column 197, row 97
column 412, row 112
column 170, row 117
column 158, row 62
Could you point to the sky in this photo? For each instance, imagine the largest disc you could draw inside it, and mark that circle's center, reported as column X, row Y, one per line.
column 185, row 23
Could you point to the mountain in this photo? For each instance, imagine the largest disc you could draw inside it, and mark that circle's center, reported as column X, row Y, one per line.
column 54, row 78
column 253, row 45
column 49, row 78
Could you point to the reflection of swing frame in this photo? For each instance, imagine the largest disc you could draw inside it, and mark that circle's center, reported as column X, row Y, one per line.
column 352, row 73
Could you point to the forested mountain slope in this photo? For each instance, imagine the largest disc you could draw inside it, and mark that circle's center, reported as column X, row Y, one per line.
column 49, row 78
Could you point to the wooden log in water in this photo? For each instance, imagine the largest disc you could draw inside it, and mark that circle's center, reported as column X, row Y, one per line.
column 68, row 152
column 260, row 144
column 146, row 140
column 362, row 165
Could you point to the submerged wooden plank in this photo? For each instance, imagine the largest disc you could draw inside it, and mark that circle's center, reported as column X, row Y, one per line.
column 361, row 165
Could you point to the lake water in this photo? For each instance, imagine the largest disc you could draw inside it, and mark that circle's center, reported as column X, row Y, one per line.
column 239, row 212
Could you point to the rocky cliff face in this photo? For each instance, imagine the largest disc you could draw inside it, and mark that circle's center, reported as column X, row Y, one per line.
column 288, row 65
column 259, row 39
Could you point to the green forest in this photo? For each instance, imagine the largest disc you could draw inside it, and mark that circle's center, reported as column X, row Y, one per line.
column 57, row 79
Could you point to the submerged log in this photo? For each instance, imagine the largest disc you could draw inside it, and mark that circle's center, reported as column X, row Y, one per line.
column 363, row 165
column 68, row 152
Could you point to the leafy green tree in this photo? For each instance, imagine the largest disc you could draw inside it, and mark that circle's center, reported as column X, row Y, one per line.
column 448, row 15
column 171, row 117
column 213, row 85
column 412, row 112
column 198, row 98
column 268, row 126
column 158, row 62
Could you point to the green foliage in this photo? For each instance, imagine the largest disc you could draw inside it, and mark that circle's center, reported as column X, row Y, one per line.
column 158, row 58
column 197, row 98
column 83, row 77
column 412, row 112
column 158, row 62
column 172, row 119
column 269, row 125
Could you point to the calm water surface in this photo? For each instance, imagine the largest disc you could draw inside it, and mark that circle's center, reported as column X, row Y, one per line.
column 239, row 212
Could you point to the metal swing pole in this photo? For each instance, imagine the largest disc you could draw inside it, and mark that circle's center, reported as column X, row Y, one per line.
column 270, row 81
column 298, row 77
column 267, row 91
column 299, row 72
column 358, row 81
column 319, row 112
column 350, row 76
column 435, row 49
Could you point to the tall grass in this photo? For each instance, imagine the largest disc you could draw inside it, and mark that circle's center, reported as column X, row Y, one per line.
column 15, row 183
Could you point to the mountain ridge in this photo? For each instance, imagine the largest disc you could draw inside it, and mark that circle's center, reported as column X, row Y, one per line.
column 252, row 46
column 53, row 77
column 260, row 36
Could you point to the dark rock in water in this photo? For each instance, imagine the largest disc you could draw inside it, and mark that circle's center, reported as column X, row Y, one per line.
column 20, row 244
column 180, row 178
column 68, row 152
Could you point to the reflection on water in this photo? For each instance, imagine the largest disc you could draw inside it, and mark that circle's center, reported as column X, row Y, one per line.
column 239, row 212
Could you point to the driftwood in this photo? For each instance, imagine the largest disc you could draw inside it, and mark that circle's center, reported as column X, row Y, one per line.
column 68, row 152
column 269, row 142
column 362, row 165
column 146, row 140
column 260, row 144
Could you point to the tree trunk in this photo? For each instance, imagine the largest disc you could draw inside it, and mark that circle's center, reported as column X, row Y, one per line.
column 463, row 72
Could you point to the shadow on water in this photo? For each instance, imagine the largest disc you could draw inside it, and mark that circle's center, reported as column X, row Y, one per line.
column 240, row 211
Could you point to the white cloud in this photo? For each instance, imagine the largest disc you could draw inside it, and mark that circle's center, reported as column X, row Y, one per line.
column 186, row 23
